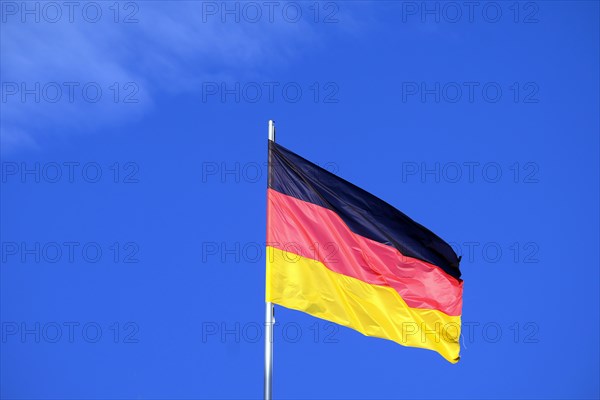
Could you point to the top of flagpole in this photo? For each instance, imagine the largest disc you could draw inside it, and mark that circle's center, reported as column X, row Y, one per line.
column 271, row 130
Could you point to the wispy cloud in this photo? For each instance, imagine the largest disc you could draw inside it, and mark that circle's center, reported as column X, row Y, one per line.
column 172, row 48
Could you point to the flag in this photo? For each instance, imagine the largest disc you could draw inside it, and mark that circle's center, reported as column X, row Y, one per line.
column 341, row 254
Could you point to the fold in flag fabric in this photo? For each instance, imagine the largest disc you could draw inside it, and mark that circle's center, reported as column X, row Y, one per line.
column 341, row 254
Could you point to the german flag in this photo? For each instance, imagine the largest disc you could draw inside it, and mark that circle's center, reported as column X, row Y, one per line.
column 341, row 254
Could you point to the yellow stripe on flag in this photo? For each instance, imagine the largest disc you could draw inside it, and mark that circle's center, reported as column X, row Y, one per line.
column 307, row 285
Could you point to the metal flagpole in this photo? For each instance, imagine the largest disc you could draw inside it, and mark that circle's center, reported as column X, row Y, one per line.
column 269, row 317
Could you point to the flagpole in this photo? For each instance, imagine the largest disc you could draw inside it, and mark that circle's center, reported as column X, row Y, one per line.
column 269, row 317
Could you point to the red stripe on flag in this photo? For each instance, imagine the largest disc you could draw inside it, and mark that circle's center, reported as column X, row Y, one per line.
column 315, row 232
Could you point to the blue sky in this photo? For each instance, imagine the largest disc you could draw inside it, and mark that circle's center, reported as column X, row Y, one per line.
column 133, row 145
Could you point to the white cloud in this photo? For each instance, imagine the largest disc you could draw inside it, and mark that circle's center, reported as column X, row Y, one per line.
column 170, row 50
